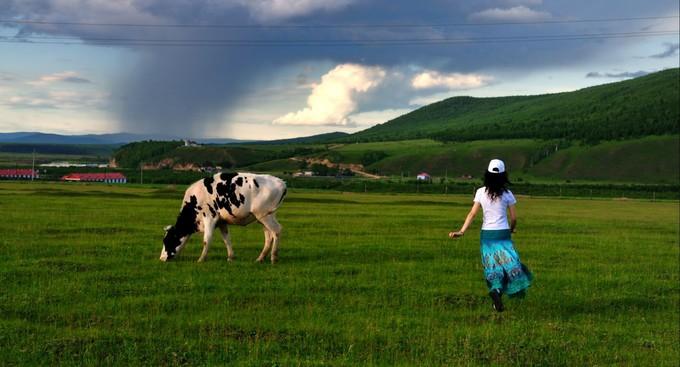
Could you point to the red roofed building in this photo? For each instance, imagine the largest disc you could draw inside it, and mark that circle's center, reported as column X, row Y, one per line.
column 18, row 174
column 114, row 177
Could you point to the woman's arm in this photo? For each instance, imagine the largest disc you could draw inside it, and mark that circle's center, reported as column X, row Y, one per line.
column 513, row 218
column 468, row 220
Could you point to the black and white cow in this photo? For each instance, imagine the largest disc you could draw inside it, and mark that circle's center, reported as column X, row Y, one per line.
column 227, row 198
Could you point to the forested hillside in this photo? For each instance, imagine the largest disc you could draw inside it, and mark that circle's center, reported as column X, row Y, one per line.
column 133, row 154
column 630, row 109
column 173, row 154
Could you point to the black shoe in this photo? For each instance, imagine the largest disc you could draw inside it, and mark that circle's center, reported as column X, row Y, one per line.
column 497, row 302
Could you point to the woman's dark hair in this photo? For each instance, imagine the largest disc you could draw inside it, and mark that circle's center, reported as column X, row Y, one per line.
column 496, row 184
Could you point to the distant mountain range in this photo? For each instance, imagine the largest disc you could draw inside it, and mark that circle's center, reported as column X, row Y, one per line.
column 108, row 139
column 124, row 138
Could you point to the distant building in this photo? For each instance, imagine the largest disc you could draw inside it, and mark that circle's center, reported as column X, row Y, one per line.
column 18, row 174
column 190, row 143
column 113, row 177
column 423, row 176
column 303, row 174
column 63, row 164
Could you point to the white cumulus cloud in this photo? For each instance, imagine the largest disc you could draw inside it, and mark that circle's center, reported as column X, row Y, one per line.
column 519, row 13
column 335, row 97
column 431, row 79
column 282, row 9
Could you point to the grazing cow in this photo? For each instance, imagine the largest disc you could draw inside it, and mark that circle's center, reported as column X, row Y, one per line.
column 227, row 198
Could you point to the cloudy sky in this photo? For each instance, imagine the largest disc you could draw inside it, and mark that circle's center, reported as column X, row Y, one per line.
column 270, row 69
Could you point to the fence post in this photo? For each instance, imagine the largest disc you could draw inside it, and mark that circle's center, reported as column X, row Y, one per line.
column 653, row 196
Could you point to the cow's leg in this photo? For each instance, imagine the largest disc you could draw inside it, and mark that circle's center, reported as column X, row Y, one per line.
column 267, row 245
column 274, row 233
column 227, row 241
column 208, row 229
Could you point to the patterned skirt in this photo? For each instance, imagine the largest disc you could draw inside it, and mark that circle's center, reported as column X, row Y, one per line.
column 502, row 269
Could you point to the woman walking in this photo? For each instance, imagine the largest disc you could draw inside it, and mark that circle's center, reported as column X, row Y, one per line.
column 503, row 270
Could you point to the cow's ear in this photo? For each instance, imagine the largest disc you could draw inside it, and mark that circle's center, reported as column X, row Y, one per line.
column 167, row 228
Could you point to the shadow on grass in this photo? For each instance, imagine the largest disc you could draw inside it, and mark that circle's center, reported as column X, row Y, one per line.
column 292, row 258
column 67, row 266
column 90, row 230
column 366, row 256
column 374, row 203
column 615, row 306
column 94, row 193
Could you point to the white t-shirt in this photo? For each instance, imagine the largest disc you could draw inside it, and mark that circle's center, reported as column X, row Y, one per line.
column 495, row 212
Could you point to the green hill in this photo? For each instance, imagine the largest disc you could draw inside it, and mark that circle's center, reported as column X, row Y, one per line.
column 168, row 154
column 619, row 132
column 633, row 108
column 653, row 159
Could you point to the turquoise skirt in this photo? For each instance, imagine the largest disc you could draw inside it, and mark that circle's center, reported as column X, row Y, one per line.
column 502, row 269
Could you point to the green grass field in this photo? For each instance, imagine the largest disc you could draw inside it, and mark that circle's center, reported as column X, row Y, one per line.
column 362, row 280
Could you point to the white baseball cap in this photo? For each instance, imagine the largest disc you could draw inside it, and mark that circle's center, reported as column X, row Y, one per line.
column 496, row 166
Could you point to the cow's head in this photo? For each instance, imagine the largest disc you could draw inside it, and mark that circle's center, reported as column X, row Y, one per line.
column 177, row 235
column 171, row 242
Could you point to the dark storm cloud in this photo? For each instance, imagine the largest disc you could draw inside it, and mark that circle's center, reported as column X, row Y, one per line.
column 173, row 89
column 671, row 50
column 76, row 80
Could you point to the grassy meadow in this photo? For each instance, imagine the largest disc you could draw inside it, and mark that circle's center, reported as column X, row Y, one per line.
column 363, row 279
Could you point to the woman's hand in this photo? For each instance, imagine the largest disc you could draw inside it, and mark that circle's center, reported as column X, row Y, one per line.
column 456, row 234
